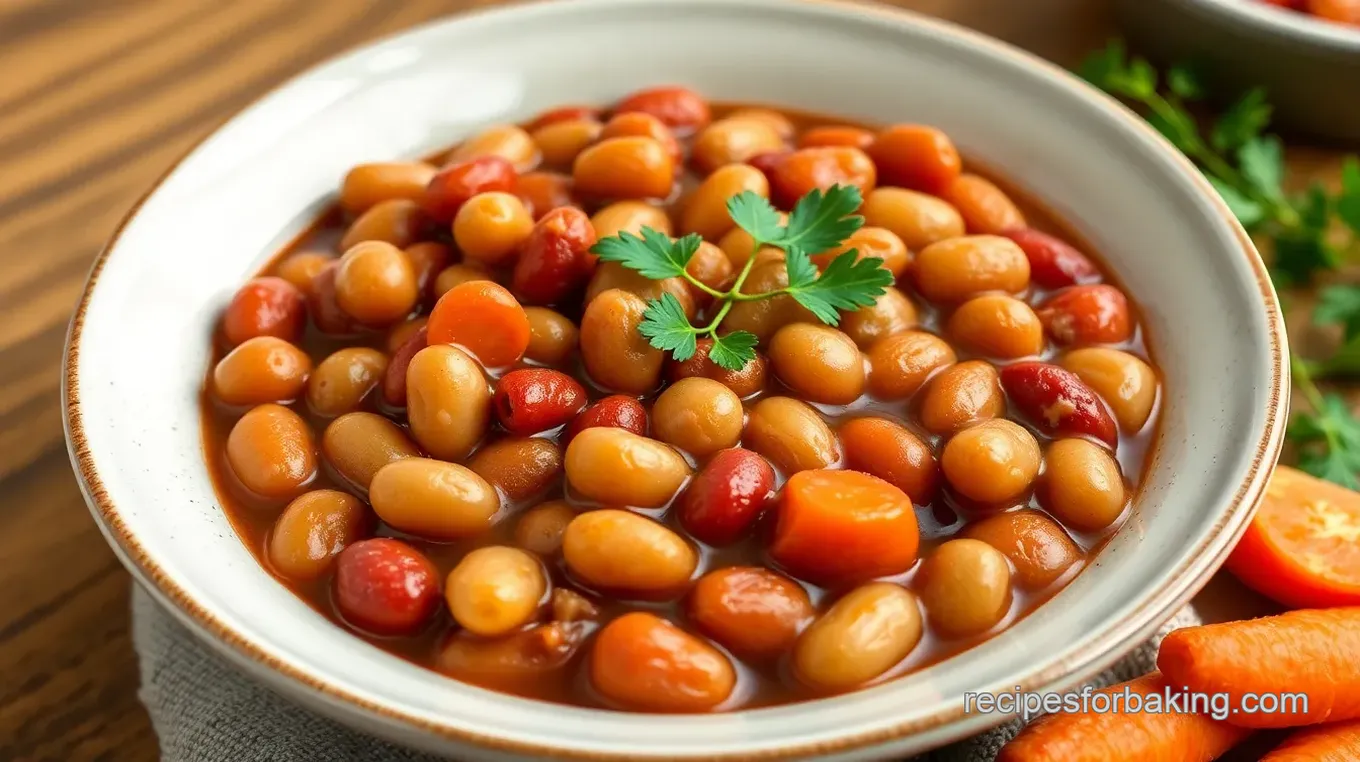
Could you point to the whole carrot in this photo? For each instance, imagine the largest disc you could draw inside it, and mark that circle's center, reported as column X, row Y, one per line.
column 1123, row 736
column 1339, row 742
column 1313, row 652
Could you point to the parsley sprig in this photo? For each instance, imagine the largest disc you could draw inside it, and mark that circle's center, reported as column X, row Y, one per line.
column 819, row 222
column 1308, row 233
column 1328, row 435
column 1243, row 163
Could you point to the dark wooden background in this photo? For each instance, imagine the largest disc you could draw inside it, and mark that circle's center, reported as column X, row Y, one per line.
column 97, row 99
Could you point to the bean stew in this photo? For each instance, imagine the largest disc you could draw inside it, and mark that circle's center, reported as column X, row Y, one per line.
column 450, row 417
column 1339, row 11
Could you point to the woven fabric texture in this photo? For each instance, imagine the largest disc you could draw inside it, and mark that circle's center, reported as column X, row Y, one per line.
column 205, row 710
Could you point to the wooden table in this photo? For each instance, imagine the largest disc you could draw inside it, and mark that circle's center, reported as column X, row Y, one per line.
column 97, row 100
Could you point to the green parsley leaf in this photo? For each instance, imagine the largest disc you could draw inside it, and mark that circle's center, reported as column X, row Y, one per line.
column 1348, row 203
column 1314, row 208
column 1345, row 362
column 821, row 221
column 846, row 284
column 1247, row 211
column 653, row 255
column 1304, row 250
column 1262, row 163
column 733, row 350
column 756, row 215
column 1242, row 121
column 1330, row 441
column 1300, row 254
column 1104, row 66
column 666, row 327
column 1339, row 305
column 1184, row 82
column 1304, row 427
column 1177, row 126
column 1325, row 465
column 1139, row 80
column 799, row 266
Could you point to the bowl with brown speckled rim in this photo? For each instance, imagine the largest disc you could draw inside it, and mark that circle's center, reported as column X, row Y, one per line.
column 139, row 346
column 1309, row 67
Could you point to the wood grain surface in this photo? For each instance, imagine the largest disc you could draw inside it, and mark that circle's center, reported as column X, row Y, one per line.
column 97, row 99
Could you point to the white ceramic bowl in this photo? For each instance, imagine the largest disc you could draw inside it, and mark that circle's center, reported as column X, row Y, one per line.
column 1310, row 67
column 139, row 344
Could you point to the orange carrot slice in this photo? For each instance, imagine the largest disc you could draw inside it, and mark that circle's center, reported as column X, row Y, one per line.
column 483, row 318
column 1339, row 742
column 1123, row 736
column 1303, row 547
column 1311, row 652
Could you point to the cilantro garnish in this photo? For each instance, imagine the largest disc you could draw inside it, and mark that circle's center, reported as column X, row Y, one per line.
column 819, row 222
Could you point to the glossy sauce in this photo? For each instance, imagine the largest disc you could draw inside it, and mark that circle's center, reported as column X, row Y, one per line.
column 758, row 685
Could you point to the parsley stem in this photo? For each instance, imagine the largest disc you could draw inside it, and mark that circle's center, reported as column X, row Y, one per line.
column 713, row 324
column 1193, row 145
column 1303, row 381
column 756, row 297
column 704, row 287
column 734, row 294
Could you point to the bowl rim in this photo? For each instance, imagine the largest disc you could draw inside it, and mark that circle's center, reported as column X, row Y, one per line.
column 1119, row 636
column 1270, row 21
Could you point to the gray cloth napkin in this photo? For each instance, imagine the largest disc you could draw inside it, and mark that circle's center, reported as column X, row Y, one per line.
column 204, row 710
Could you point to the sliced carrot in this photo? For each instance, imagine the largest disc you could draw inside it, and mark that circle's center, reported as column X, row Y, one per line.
column 1313, row 652
column 483, row 318
column 1303, row 547
column 1123, row 736
column 844, row 526
column 1339, row 742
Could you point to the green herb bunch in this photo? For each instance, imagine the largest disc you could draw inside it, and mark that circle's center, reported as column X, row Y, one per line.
column 1308, row 233
column 1245, row 165
column 818, row 223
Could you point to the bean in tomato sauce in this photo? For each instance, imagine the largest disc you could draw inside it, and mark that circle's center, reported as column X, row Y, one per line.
column 438, row 419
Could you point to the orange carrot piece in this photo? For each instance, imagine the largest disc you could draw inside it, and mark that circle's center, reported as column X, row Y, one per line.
column 844, row 526
column 1311, row 652
column 1339, row 742
column 1301, row 547
column 1123, row 736
column 485, row 319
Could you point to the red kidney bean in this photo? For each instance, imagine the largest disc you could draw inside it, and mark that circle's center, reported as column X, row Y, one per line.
column 321, row 303
column 617, row 411
column 394, row 379
column 768, row 162
column 453, row 185
column 555, row 260
column 679, row 108
column 536, row 399
column 808, row 168
column 1096, row 314
column 727, row 496
column 1057, row 401
column 1053, row 263
column 266, row 306
column 427, row 258
column 563, row 114
column 542, row 192
column 385, row 586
